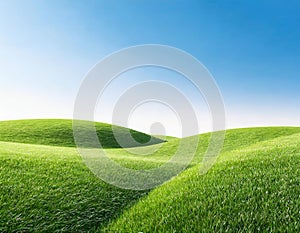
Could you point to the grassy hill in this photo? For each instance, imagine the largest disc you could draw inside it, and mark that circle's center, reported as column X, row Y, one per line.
column 58, row 132
column 251, row 189
column 254, row 186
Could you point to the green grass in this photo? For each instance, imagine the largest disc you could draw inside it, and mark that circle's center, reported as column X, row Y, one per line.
column 254, row 185
column 250, row 189
column 58, row 132
column 45, row 189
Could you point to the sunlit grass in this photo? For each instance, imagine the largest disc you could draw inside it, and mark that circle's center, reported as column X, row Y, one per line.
column 251, row 189
column 254, row 186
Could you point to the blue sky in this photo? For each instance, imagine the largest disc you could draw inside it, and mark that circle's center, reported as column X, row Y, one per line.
column 251, row 48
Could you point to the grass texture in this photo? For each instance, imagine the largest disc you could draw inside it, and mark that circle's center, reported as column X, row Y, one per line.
column 45, row 186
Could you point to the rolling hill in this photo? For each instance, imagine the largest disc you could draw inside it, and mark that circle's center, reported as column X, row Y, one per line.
column 46, row 187
column 59, row 132
column 250, row 189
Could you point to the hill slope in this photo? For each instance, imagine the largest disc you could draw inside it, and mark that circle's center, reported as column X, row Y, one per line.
column 49, row 189
column 250, row 189
column 254, row 186
column 58, row 132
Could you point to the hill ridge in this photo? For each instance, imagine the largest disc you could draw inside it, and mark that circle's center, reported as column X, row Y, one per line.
column 59, row 132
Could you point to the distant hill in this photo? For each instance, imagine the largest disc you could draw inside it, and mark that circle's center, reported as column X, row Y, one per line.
column 59, row 132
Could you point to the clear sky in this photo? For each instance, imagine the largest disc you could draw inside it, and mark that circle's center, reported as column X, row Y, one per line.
column 252, row 48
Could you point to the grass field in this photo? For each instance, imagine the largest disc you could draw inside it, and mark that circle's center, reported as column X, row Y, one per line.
column 46, row 187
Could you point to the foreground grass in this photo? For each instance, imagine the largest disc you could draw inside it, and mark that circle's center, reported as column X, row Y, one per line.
column 251, row 189
column 254, row 186
column 45, row 189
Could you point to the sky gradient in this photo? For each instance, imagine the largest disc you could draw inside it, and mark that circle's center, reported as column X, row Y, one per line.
column 251, row 48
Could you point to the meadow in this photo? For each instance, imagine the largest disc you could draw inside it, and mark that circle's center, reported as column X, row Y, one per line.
column 46, row 187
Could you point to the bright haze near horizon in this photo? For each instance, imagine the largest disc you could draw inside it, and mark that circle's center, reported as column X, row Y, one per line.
column 252, row 49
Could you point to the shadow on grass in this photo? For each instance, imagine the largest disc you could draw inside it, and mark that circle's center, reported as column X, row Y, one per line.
column 50, row 194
